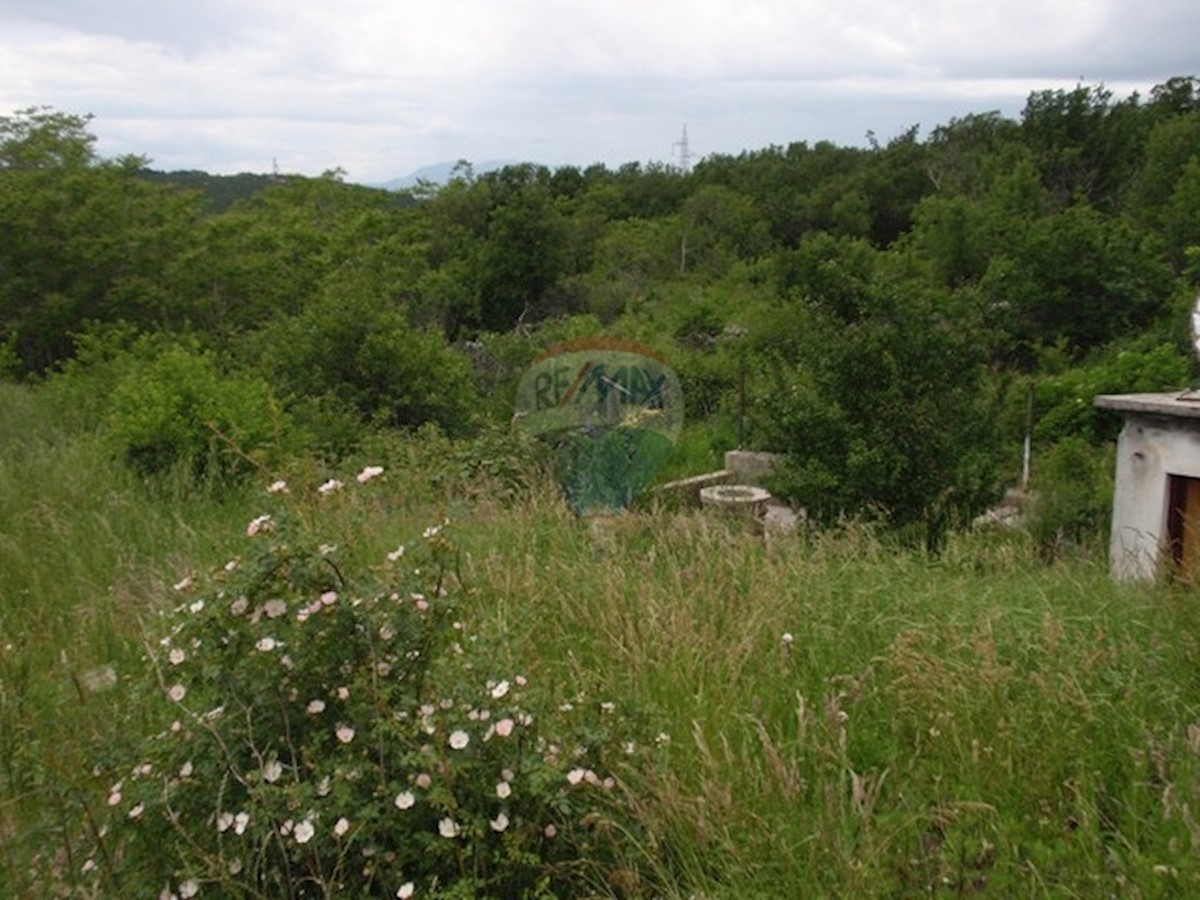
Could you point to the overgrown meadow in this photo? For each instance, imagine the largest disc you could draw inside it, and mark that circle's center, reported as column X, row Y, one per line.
column 407, row 676
column 290, row 608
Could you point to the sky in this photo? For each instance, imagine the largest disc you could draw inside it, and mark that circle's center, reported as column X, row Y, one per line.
column 380, row 88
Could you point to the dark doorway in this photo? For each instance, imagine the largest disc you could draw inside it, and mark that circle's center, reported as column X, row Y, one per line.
column 1183, row 526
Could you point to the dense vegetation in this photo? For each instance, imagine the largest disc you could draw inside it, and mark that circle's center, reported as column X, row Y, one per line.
column 889, row 308
column 843, row 714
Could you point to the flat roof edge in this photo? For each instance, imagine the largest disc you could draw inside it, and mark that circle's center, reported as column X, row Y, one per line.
column 1182, row 404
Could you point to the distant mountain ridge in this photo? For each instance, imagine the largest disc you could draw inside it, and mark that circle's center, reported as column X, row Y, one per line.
column 222, row 191
column 440, row 173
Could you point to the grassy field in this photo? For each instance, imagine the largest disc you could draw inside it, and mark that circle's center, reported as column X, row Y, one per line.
column 838, row 716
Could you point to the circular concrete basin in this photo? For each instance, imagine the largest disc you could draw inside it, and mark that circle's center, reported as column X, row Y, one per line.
column 735, row 500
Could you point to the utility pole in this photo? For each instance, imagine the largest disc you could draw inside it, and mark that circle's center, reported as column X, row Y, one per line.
column 685, row 166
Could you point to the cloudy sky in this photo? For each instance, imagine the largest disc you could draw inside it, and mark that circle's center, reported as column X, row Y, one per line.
column 383, row 87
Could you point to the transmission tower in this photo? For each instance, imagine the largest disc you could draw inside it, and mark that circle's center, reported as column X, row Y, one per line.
column 684, row 150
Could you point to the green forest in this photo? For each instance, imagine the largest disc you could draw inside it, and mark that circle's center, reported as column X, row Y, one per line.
column 880, row 314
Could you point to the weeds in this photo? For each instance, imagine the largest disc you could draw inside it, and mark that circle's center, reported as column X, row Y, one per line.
column 827, row 715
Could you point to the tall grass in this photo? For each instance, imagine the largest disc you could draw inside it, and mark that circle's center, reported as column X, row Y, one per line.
column 848, row 718
column 840, row 716
column 85, row 551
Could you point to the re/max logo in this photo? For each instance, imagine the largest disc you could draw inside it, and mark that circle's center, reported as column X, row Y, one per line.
column 596, row 381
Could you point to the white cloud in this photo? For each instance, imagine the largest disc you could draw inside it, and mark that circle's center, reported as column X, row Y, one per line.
column 380, row 88
column 183, row 26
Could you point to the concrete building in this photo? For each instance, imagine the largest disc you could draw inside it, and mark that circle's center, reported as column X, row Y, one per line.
column 1156, row 501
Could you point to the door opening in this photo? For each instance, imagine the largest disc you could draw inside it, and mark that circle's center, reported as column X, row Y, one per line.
column 1183, row 526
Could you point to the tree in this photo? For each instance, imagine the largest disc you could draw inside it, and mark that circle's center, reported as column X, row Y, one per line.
column 1085, row 145
column 950, row 233
column 719, row 227
column 1173, row 144
column 1180, row 218
column 962, row 152
column 269, row 254
column 80, row 239
column 833, row 273
column 894, row 181
column 349, row 350
column 1078, row 277
column 886, row 412
column 43, row 138
column 797, row 188
column 630, row 258
column 523, row 255
column 1176, row 96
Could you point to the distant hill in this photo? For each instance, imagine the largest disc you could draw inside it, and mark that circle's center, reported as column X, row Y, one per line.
column 220, row 191
column 440, row 173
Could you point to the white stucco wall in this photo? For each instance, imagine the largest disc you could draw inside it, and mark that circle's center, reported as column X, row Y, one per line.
column 1161, row 437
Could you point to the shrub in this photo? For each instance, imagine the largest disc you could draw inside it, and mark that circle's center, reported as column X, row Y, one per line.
column 80, row 391
column 1064, row 399
column 330, row 724
column 1074, row 484
column 177, row 408
column 359, row 354
column 886, row 413
column 10, row 362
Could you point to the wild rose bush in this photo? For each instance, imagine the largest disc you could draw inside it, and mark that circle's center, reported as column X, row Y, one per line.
column 331, row 728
